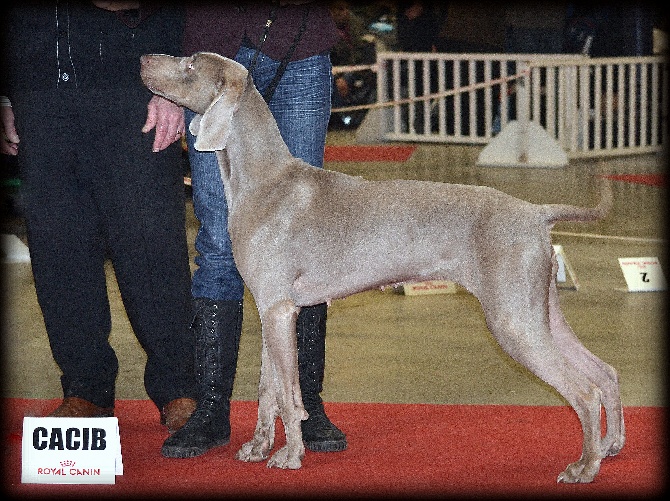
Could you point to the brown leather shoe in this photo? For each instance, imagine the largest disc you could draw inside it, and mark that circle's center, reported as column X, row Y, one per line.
column 175, row 414
column 78, row 407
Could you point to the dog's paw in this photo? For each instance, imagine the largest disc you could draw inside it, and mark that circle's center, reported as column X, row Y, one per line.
column 579, row 472
column 253, row 452
column 286, row 459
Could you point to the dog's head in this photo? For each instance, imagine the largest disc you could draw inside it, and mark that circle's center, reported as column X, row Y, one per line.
column 207, row 83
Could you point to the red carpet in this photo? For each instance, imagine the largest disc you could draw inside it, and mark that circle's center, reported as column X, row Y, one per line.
column 394, row 450
column 649, row 179
column 368, row 153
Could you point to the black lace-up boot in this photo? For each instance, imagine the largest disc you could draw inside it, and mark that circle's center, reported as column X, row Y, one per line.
column 318, row 433
column 218, row 326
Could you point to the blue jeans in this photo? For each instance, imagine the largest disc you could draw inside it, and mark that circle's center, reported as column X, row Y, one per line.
column 301, row 107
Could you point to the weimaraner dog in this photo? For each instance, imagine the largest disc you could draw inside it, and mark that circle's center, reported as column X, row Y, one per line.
column 303, row 236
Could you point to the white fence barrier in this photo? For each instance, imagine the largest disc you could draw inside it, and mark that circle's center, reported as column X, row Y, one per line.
column 592, row 107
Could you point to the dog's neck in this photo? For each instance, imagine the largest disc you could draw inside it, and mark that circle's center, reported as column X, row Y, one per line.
column 255, row 151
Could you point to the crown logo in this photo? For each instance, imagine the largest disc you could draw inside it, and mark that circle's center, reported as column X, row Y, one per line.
column 66, row 463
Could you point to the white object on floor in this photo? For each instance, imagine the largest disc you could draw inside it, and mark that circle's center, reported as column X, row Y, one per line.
column 643, row 274
column 566, row 277
column 429, row 287
column 14, row 250
column 517, row 146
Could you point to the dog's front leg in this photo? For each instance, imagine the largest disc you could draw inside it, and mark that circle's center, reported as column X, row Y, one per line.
column 279, row 332
column 259, row 447
column 278, row 391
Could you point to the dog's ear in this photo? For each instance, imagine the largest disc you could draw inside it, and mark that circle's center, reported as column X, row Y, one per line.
column 213, row 127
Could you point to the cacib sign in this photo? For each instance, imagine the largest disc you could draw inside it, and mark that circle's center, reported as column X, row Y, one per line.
column 71, row 450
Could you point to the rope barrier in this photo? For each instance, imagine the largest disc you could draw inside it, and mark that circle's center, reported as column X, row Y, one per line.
column 427, row 97
column 360, row 67
column 375, row 67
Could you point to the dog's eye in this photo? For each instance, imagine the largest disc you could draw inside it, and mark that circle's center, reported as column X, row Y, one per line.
column 189, row 66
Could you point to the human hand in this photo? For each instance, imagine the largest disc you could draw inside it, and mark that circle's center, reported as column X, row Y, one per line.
column 168, row 119
column 342, row 86
column 10, row 139
column 114, row 6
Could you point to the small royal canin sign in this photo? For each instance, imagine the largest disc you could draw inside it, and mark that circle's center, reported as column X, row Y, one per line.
column 71, row 450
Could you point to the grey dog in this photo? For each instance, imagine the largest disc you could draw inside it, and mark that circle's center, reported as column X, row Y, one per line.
column 303, row 236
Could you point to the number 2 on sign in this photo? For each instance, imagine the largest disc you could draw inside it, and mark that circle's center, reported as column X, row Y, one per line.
column 643, row 274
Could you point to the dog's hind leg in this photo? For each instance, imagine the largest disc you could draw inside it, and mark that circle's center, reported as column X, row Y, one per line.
column 598, row 372
column 527, row 339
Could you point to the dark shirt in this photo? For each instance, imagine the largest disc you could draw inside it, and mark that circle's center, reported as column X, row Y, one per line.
column 75, row 45
column 221, row 28
column 420, row 33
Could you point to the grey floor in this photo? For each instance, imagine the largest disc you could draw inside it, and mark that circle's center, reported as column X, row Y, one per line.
column 384, row 346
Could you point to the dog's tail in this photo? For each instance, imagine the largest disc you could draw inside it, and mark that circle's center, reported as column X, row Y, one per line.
column 560, row 212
